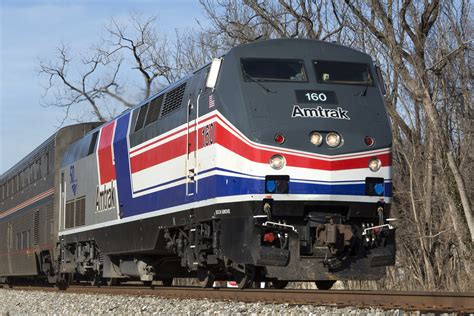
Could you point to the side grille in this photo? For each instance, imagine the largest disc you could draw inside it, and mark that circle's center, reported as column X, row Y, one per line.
column 173, row 100
column 69, row 214
column 80, row 216
column 76, row 212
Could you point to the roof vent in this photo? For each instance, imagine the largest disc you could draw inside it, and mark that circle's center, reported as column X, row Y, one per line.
column 173, row 100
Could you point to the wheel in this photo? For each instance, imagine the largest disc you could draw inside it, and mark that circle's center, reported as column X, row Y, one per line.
column 324, row 284
column 63, row 282
column 96, row 281
column 10, row 282
column 148, row 283
column 277, row 284
column 167, row 282
column 112, row 281
column 244, row 280
column 206, row 278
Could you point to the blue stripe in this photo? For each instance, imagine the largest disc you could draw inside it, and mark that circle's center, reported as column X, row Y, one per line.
column 221, row 186
column 249, row 175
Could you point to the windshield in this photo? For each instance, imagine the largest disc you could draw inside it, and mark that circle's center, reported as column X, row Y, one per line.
column 273, row 70
column 343, row 73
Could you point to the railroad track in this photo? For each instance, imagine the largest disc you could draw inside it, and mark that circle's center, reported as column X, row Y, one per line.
column 419, row 301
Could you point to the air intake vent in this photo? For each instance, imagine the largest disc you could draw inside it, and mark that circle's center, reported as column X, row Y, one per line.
column 173, row 100
column 75, row 212
column 80, row 212
column 69, row 222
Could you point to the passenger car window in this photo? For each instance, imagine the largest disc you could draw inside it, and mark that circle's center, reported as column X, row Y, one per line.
column 264, row 69
column 338, row 72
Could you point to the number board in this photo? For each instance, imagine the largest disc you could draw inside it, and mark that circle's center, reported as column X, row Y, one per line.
column 316, row 96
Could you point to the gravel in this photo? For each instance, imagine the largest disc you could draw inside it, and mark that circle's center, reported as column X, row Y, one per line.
column 15, row 302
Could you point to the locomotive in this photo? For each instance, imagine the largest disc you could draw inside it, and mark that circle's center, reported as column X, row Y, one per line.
column 271, row 163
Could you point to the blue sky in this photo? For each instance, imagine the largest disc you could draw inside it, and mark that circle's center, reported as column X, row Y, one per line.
column 30, row 31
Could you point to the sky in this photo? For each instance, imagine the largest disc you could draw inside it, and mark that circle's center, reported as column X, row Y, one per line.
column 30, row 30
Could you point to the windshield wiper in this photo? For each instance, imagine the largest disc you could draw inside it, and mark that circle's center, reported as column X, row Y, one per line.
column 247, row 76
column 363, row 93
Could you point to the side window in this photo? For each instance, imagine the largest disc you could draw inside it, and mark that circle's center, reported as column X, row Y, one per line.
column 38, row 170
column 28, row 239
column 141, row 117
column 47, row 161
column 154, row 110
column 30, row 174
column 92, row 143
column 18, row 241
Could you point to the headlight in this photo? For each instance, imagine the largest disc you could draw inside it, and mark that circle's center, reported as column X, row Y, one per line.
column 333, row 139
column 375, row 164
column 315, row 138
column 277, row 162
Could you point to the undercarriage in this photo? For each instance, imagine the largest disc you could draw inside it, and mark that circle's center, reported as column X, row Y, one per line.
column 274, row 242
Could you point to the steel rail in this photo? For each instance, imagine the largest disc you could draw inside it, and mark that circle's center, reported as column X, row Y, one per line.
column 410, row 301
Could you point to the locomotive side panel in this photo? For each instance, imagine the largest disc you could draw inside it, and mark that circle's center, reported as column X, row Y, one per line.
column 160, row 122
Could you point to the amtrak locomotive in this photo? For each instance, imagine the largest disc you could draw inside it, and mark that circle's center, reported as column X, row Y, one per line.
column 272, row 163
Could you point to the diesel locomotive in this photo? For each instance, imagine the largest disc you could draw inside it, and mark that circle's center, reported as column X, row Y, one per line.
column 271, row 163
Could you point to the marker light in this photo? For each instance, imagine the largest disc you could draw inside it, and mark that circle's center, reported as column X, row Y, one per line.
column 315, row 138
column 375, row 164
column 369, row 141
column 277, row 162
column 333, row 139
column 279, row 138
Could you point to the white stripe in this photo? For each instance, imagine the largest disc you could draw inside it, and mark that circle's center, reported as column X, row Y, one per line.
column 170, row 170
column 221, row 157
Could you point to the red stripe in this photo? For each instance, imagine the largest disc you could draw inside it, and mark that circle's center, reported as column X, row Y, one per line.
column 106, row 163
column 225, row 138
column 30, row 250
column 159, row 154
column 24, row 204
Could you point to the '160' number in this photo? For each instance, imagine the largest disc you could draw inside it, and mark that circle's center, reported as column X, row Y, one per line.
column 316, row 96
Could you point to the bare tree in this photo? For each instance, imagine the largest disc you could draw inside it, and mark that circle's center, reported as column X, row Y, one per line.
column 235, row 22
column 424, row 48
column 102, row 83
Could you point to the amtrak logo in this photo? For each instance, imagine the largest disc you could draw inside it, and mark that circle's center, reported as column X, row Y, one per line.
column 105, row 197
column 73, row 180
column 320, row 112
